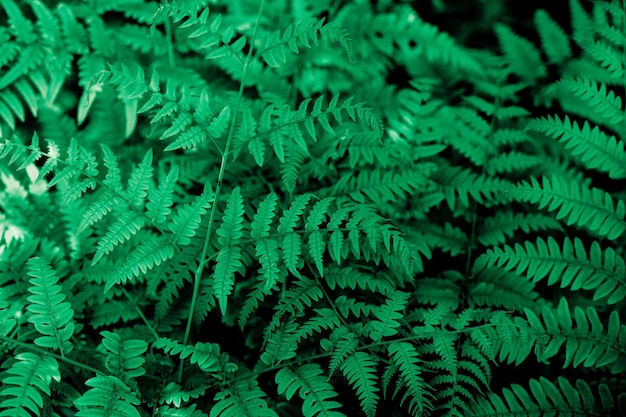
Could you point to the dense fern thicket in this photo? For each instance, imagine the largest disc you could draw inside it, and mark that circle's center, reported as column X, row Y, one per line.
column 312, row 208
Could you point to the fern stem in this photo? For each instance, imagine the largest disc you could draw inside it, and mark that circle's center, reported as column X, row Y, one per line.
column 45, row 352
column 218, row 188
column 142, row 316
column 170, row 42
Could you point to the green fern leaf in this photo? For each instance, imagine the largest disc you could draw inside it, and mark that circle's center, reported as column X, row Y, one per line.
column 592, row 208
column 308, row 380
column 405, row 357
column 316, row 243
column 229, row 257
column 274, row 48
column 139, row 181
column 388, row 315
column 108, row 397
column 50, row 313
column 522, row 56
column 188, row 218
column 242, row 398
column 585, row 344
column 206, row 356
column 553, row 39
column 572, row 266
column 160, row 199
column 145, row 257
column 127, row 225
column 597, row 149
column 360, row 371
column 542, row 399
column 292, row 243
column 281, row 345
column 27, row 379
column 124, row 357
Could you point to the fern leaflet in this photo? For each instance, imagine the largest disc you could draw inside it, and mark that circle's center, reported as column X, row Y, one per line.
column 51, row 315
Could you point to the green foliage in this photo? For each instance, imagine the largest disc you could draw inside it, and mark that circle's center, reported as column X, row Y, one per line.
column 312, row 208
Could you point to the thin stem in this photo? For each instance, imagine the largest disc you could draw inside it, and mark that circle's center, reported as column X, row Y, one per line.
column 218, row 188
column 142, row 316
column 54, row 355
column 170, row 42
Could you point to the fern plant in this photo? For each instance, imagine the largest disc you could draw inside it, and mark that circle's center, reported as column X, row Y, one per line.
column 312, row 208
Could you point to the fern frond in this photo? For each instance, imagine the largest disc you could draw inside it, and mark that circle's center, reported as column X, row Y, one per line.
column 496, row 229
column 229, row 257
column 28, row 378
column 591, row 208
column 292, row 243
column 522, row 56
column 242, row 398
column 127, row 225
column 281, row 344
column 108, row 397
column 124, row 357
column 274, row 48
column 388, row 315
column 51, row 315
column 554, row 40
column 383, row 187
column 360, row 371
column 266, row 248
column 188, row 218
column 608, row 57
column 543, row 397
column 572, row 266
column 586, row 343
column 597, row 149
column 139, row 181
column 160, row 199
column 308, row 380
column 405, row 357
column 206, row 356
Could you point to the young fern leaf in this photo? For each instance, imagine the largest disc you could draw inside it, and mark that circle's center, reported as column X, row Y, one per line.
column 51, row 315
column 592, row 208
column 108, row 397
column 28, row 377
column 308, row 380
column 241, row 398
column 229, row 257
column 124, row 357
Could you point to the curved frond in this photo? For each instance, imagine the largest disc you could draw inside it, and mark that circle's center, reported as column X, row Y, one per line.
column 569, row 264
column 578, row 204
